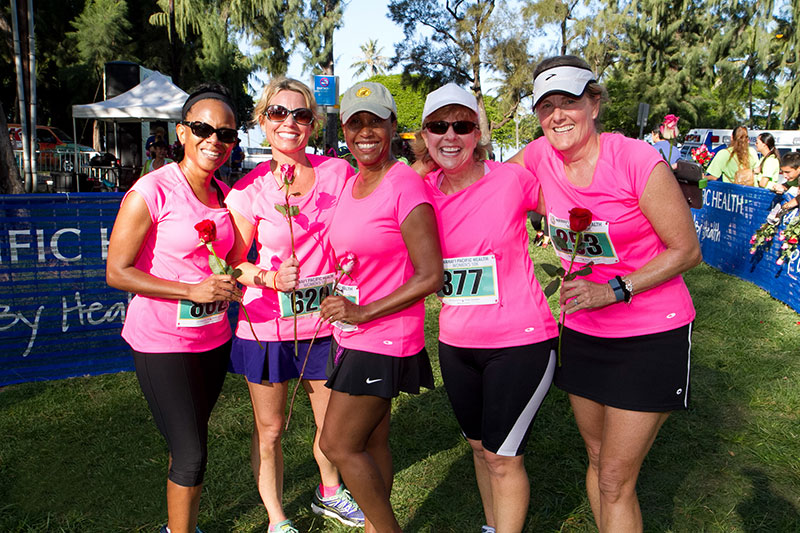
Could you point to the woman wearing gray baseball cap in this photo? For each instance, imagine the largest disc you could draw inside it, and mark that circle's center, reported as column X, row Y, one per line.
column 626, row 341
column 385, row 220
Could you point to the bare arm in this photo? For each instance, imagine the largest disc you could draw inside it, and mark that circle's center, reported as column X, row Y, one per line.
column 284, row 279
column 665, row 207
column 130, row 230
column 421, row 238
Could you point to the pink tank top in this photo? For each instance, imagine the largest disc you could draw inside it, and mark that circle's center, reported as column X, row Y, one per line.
column 170, row 251
column 620, row 239
column 254, row 197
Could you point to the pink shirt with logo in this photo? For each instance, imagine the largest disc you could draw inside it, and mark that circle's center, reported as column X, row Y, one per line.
column 620, row 240
column 370, row 228
column 254, row 197
column 491, row 298
column 171, row 252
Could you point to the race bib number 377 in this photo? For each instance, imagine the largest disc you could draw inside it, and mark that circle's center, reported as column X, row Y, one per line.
column 469, row 281
column 596, row 245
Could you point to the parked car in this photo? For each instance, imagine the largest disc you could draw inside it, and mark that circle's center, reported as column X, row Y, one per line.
column 54, row 146
column 254, row 155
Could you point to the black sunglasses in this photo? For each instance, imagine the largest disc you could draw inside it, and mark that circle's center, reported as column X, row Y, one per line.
column 461, row 127
column 204, row 131
column 302, row 115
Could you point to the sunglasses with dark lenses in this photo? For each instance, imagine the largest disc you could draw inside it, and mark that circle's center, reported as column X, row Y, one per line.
column 204, row 131
column 302, row 115
column 461, row 127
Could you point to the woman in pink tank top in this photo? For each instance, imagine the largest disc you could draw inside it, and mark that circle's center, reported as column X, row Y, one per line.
column 177, row 323
column 627, row 334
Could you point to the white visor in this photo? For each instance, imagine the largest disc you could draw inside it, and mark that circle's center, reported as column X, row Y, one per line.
column 566, row 79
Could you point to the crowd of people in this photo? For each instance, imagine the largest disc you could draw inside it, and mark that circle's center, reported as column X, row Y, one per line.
column 344, row 260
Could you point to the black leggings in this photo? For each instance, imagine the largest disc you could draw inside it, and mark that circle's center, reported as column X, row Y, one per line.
column 181, row 389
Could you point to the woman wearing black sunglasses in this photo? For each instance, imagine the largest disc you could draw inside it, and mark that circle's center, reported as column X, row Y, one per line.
column 177, row 323
column 286, row 113
column 495, row 327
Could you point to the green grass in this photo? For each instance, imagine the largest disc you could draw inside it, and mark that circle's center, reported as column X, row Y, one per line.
column 82, row 455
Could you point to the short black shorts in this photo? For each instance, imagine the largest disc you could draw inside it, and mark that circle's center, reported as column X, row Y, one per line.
column 648, row 373
column 372, row 374
column 496, row 392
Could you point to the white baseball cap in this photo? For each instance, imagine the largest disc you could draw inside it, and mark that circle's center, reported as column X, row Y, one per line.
column 563, row 79
column 447, row 95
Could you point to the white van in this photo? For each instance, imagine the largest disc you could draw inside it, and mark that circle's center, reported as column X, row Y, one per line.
column 714, row 139
column 717, row 139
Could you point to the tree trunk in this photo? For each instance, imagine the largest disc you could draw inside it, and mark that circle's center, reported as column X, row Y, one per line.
column 10, row 182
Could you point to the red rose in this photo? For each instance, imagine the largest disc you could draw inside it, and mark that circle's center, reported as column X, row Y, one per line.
column 792, row 241
column 206, row 230
column 579, row 219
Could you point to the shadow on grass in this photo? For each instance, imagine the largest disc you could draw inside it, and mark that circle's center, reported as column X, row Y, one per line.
column 765, row 510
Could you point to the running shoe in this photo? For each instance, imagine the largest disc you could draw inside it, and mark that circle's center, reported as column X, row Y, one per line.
column 340, row 506
column 164, row 529
column 283, row 527
column 487, row 529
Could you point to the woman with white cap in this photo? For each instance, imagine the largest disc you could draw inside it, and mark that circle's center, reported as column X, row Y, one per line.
column 384, row 218
column 626, row 342
column 495, row 327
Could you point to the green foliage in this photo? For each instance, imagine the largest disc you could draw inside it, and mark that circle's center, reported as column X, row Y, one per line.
column 371, row 62
column 102, row 33
column 409, row 96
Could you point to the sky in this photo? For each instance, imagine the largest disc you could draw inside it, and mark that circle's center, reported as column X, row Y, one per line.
column 363, row 20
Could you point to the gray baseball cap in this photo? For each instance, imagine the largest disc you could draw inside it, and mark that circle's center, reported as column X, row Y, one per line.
column 367, row 96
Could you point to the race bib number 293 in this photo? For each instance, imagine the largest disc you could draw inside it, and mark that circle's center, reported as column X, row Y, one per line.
column 596, row 245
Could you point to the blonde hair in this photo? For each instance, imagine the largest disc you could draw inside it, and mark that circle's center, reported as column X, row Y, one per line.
column 740, row 146
column 418, row 144
column 282, row 83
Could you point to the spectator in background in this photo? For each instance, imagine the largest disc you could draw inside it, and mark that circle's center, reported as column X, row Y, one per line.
column 670, row 153
column 769, row 168
column 733, row 163
column 236, row 160
column 159, row 150
column 790, row 169
column 158, row 134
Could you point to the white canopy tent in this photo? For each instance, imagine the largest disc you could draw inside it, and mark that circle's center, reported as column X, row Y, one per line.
column 155, row 98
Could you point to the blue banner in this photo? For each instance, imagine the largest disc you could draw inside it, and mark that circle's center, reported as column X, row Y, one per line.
column 730, row 216
column 58, row 318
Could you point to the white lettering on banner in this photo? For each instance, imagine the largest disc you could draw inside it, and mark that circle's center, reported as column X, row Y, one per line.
column 793, row 265
column 5, row 314
column 54, row 244
column 84, row 312
column 20, row 240
column 726, row 201
column 710, row 231
column 104, row 242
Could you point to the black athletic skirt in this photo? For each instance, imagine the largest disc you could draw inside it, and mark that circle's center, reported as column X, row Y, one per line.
column 641, row 373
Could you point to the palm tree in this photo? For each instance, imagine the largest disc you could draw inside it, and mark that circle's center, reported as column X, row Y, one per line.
column 371, row 60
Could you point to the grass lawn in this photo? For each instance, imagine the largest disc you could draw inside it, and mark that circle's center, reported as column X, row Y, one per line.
column 83, row 455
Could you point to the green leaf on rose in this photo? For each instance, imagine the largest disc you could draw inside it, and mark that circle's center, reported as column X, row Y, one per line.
column 281, row 209
column 218, row 265
column 561, row 243
column 582, row 272
column 552, row 287
column 294, row 210
column 552, row 270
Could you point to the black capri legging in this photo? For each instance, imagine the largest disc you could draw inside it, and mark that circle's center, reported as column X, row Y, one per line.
column 181, row 389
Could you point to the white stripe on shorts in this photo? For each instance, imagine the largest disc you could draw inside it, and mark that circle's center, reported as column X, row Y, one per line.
column 688, row 369
column 511, row 444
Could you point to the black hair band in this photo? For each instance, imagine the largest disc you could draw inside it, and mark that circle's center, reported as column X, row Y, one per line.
column 205, row 96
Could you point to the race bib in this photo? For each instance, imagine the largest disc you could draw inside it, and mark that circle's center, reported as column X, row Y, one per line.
column 195, row 315
column 596, row 245
column 469, row 281
column 351, row 293
column 307, row 296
